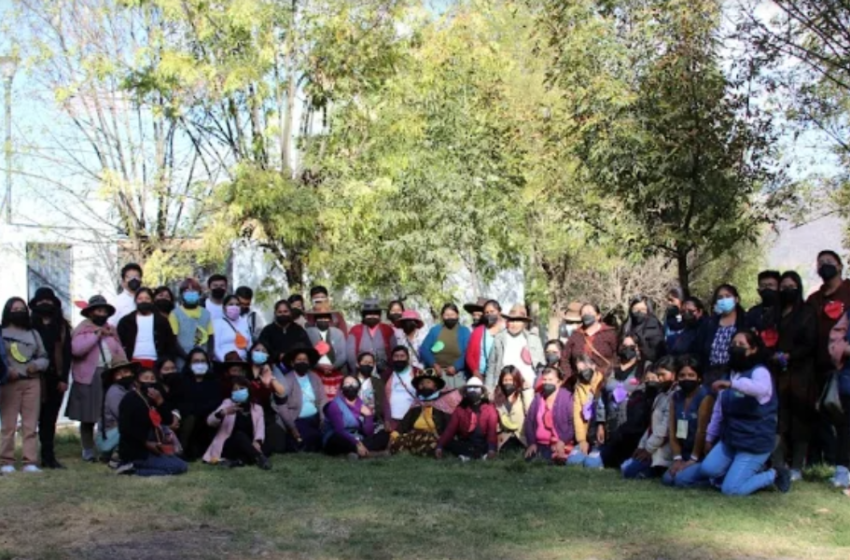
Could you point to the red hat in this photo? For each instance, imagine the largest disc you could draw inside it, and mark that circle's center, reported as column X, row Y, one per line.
column 411, row 315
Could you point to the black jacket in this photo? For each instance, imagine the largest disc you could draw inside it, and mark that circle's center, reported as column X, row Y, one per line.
column 163, row 336
column 650, row 337
column 279, row 341
column 136, row 428
column 57, row 342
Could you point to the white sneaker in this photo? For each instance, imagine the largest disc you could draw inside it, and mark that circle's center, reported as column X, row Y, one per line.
column 464, row 458
column 31, row 469
column 796, row 476
column 7, row 469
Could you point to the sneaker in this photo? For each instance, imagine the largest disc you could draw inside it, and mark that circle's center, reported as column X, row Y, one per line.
column 464, row 458
column 264, row 463
column 7, row 469
column 31, row 469
column 125, row 468
column 782, row 480
column 88, row 456
column 796, row 475
column 841, row 478
column 113, row 464
column 52, row 464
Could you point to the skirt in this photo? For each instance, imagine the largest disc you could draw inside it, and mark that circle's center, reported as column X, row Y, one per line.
column 85, row 403
column 421, row 444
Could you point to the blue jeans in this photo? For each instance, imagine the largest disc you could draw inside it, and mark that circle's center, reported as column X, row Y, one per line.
column 633, row 469
column 590, row 461
column 163, row 465
column 687, row 478
column 742, row 472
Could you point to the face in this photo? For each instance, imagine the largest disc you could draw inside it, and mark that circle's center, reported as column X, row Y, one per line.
column 395, row 308
column 146, row 377
column 400, row 356
column 516, row 327
column 168, row 368
column 372, row 316
column 426, row 384
column 640, row 307
column 367, row 360
column 553, row 349
column 673, row 301
column 164, row 295
column 629, row 342
column 581, row 364
column 235, row 371
column 18, row 306
column 664, row 375
column 231, row 301
column 550, row 376
column 686, row 373
column 651, row 377
column 691, row 306
column 260, row 347
column 449, row 314
column 123, row 373
column 828, row 259
column 788, row 284
column 768, row 284
column 740, row 341
column 218, row 284
column 244, row 303
column 476, row 316
column 130, row 275
column 350, row 382
column 100, row 312
column 298, row 304
column 198, row 358
column 300, row 359
column 589, row 310
column 491, row 310
column 143, row 297
column 283, row 311
column 726, row 293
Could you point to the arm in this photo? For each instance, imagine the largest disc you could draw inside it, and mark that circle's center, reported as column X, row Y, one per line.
column 566, row 356
column 530, row 426
column 492, row 376
column 760, row 385
column 259, row 423
column 341, row 351
column 713, row 431
column 450, row 431
column 658, row 437
column 65, row 374
column 83, row 343
column 425, row 353
column 463, row 340
column 579, row 425
column 40, row 360
column 369, row 425
column 675, row 446
column 492, row 428
column 214, row 420
column 703, row 417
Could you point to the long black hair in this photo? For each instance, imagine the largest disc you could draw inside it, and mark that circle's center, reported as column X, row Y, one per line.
column 7, row 312
column 797, row 280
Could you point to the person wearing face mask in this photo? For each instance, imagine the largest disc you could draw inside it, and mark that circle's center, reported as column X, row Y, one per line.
column 95, row 347
column 55, row 332
column 21, row 395
column 483, row 338
column 687, row 340
column 792, row 362
column 125, row 302
column 764, row 317
column 371, row 386
column 476, row 311
column 472, row 432
column 217, row 286
column 350, row 425
column 690, row 412
column 717, row 333
column 240, row 430
column 283, row 335
column 394, row 312
column 321, row 302
column 742, row 431
column 594, row 338
column 143, row 446
column 296, row 304
column 549, row 429
column 653, row 455
column 410, row 333
column 444, row 349
column 399, row 393
column 231, row 331
column 145, row 334
column 330, row 343
column 118, row 381
column 586, row 389
column 254, row 317
column 266, row 390
column 303, row 404
column 172, row 386
column 516, row 347
column 191, row 322
column 644, row 326
column 202, row 388
column 163, row 299
column 420, row 429
column 511, row 406
column 673, row 321
column 623, row 408
column 371, row 335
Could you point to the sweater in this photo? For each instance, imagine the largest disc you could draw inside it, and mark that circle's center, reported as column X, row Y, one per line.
column 562, row 417
column 338, row 353
column 30, row 346
column 346, row 421
column 280, row 340
column 798, row 339
column 584, row 395
column 604, row 342
column 56, row 338
column 135, row 425
column 85, row 351
column 828, row 309
column 655, row 440
column 649, row 335
column 464, row 422
column 440, row 419
column 225, row 428
column 497, row 359
column 289, row 406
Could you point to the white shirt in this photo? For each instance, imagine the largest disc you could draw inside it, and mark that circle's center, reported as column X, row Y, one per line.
column 124, row 304
column 514, row 346
column 225, row 337
column 401, row 394
column 145, row 348
column 216, row 309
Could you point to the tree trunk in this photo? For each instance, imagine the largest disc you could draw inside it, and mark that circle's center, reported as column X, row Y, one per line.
column 684, row 272
column 295, row 272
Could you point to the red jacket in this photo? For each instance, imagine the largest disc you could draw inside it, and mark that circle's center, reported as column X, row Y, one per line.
column 463, row 423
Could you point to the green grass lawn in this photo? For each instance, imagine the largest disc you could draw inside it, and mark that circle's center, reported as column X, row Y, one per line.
column 318, row 507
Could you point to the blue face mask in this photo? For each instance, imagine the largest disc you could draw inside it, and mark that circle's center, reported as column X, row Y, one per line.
column 191, row 298
column 725, row 305
column 259, row 357
column 239, row 396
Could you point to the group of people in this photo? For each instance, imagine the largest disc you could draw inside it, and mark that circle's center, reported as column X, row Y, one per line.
column 714, row 396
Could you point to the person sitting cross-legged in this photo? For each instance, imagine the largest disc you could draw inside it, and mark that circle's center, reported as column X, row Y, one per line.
column 471, row 433
column 549, row 429
column 241, row 429
column 349, row 427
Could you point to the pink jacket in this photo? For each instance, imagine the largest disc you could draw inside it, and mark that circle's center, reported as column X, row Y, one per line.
column 225, row 428
column 838, row 341
column 86, row 353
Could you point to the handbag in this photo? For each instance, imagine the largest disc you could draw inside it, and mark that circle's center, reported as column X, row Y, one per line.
column 830, row 399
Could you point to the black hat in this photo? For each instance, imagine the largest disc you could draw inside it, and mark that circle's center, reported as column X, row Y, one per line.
column 312, row 355
column 371, row 305
column 45, row 293
column 121, row 364
column 234, row 359
column 96, row 302
column 477, row 307
column 429, row 374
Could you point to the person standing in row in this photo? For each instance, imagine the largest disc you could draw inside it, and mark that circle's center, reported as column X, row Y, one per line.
column 330, row 343
column 217, row 286
column 146, row 335
column 483, row 338
column 231, row 331
column 191, row 323
column 296, row 304
column 410, row 332
column 283, row 335
column 252, row 316
column 322, row 304
column 516, row 347
column 48, row 320
column 645, row 328
column 718, row 331
column 125, row 302
column 444, row 349
column 594, row 339
column 372, row 336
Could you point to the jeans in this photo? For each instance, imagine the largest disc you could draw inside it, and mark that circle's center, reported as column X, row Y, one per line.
column 161, row 465
column 590, row 461
column 634, row 469
column 742, row 471
column 687, row 478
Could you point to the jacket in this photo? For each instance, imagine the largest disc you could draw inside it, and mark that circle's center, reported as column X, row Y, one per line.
column 584, row 399
column 650, row 337
column 708, row 331
column 86, row 352
column 30, row 346
column 136, row 426
column 427, row 354
column 605, row 342
column 655, row 440
column 496, row 361
column 460, row 425
column 336, row 340
column 289, row 406
column 798, row 337
column 440, row 418
column 163, row 336
column 562, row 416
column 828, row 310
column 225, row 428
column 57, row 342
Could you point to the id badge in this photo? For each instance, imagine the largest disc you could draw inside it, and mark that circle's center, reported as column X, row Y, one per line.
column 681, row 429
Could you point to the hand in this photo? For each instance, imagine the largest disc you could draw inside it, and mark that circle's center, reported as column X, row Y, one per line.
column 155, row 397
column 642, row 455
column 361, row 450
column 451, row 370
column 438, row 453
column 559, row 449
column 232, row 409
column 584, row 447
column 720, row 384
column 531, row 451
column 266, row 376
column 365, row 411
column 491, row 455
column 175, row 425
column 600, row 434
column 153, row 448
column 258, row 446
column 438, row 370
column 32, row 369
column 62, row 387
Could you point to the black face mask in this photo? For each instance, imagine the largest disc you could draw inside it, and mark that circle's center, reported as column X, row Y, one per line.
column 45, row 309
column 366, row 371
column 400, row 365
column 218, row 293
column 739, row 360
column 548, row 389
column 426, row 393
column 301, row 367
column 409, row 327
column 508, row 390
column 769, row 297
column 689, row 385
column 627, row 354
column 99, row 320
column 490, row 320
column 586, row 374
column 789, row 296
column 145, row 387
column 673, row 312
column 282, row 320
column 827, row 272
column 296, row 312
column 323, row 325
column 19, row 318
column 125, row 382
column 146, row 308
column 165, row 305
column 134, row 284
column 371, row 321
column 639, row 317
column 350, row 392
column 675, row 320
column 473, row 395
column 665, row 386
column 393, row 317
column 652, row 386
column 450, row 323
column 689, row 318
column 588, row 320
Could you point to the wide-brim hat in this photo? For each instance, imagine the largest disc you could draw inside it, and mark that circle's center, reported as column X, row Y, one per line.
column 45, row 293
column 573, row 314
column 122, row 364
column 429, row 373
column 477, row 307
column 517, row 313
column 312, row 354
column 411, row 315
column 371, row 305
column 314, row 314
column 97, row 302
column 232, row 359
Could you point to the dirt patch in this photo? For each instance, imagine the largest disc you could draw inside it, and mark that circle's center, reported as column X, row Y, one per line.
column 198, row 544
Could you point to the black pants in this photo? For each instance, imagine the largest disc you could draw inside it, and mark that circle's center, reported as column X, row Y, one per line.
column 823, row 445
column 472, row 447
column 615, row 451
column 276, row 435
column 338, row 445
column 842, row 428
column 239, row 447
column 195, row 436
column 50, row 405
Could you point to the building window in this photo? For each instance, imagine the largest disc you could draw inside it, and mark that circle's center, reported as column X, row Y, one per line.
column 49, row 265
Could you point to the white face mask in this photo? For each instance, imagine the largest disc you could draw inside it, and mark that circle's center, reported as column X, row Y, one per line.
column 200, row 368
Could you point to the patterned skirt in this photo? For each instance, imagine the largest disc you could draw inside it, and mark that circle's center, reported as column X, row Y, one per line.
column 419, row 443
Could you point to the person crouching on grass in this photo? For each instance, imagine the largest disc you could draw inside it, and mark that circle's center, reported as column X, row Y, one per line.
column 241, row 430
column 549, row 428
column 471, row 433
column 349, row 427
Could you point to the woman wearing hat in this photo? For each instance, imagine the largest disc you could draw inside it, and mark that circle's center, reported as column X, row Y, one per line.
column 516, row 347
column 330, row 343
column 483, row 338
column 424, row 422
column 303, row 403
column 118, row 381
column 410, row 333
column 21, row 395
column 55, row 333
column 95, row 347
column 371, row 335
column 350, row 425
column 472, row 430
column 444, row 349
column 476, row 310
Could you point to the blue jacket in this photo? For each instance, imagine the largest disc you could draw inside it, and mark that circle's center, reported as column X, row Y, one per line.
column 708, row 330
column 748, row 425
column 427, row 356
